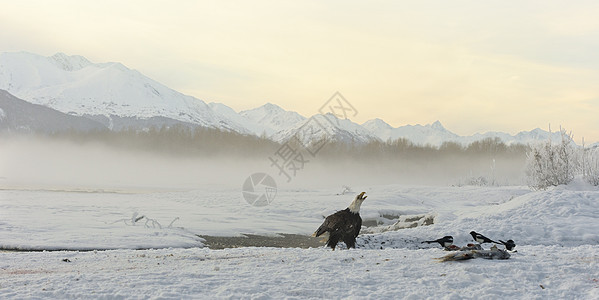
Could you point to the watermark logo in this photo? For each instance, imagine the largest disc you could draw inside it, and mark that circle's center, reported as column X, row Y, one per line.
column 259, row 189
column 339, row 107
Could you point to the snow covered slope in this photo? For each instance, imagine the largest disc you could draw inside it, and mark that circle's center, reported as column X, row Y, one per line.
column 264, row 120
column 74, row 85
column 232, row 116
column 270, row 119
column 431, row 134
column 17, row 115
column 328, row 127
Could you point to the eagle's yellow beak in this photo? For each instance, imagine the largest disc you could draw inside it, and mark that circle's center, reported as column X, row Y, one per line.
column 361, row 196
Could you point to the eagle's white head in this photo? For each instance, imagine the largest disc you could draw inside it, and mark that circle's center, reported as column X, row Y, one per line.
column 354, row 207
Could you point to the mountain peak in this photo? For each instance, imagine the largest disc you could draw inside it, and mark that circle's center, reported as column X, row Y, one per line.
column 271, row 118
column 437, row 125
column 376, row 124
column 326, row 126
column 69, row 62
column 270, row 107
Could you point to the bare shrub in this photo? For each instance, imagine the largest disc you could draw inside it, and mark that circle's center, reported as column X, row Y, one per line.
column 550, row 164
column 590, row 166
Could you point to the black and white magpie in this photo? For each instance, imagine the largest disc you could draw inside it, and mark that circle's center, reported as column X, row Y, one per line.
column 509, row 245
column 481, row 239
column 445, row 241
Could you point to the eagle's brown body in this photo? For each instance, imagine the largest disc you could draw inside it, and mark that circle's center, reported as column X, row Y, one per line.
column 343, row 225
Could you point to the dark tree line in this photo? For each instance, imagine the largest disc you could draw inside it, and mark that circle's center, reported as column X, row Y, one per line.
column 405, row 149
column 176, row 140
column 192, row 141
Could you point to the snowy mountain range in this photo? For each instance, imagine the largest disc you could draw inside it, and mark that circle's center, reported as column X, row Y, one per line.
column 74, row 85
column 117, row 97
column 432, row 134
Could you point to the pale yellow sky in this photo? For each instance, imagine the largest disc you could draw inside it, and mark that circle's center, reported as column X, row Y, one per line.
column 475, row 66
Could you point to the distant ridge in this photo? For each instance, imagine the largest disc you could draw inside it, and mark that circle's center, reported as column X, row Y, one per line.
column 435, row 134
column 117, row 97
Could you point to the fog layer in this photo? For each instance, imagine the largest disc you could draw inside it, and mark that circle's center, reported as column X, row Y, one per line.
column 40, row 162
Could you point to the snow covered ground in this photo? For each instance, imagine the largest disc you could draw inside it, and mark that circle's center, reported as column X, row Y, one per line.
column 534, row 272
column 556, row 233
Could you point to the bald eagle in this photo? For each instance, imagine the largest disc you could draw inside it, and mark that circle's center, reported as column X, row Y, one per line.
column 343, row 225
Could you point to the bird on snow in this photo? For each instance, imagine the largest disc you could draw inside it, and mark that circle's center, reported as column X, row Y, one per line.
column 509, row 245
column 468, row 247
column 481, row 239
column 343, row 225
column 445, row 241
column 493, row 253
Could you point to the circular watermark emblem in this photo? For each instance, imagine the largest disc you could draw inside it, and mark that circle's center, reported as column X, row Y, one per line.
column 259, row 189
